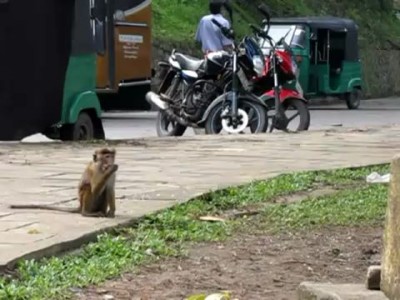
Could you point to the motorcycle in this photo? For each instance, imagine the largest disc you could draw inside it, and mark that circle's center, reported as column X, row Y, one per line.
column 280, row 68
column 187, row 88
column 213, row 93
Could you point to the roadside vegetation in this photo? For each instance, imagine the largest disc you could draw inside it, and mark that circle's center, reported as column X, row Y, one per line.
column 176, row 20
column 170, row 233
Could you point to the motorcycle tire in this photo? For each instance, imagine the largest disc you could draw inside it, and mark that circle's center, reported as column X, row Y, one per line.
column 303, row 111
column 162, row 126
column 215, row 114
column 163, row 120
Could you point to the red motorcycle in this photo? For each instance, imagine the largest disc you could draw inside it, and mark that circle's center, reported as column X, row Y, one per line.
column 279, row 69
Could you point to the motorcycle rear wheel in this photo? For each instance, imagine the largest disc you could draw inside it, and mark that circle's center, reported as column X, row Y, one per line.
column 164, row 125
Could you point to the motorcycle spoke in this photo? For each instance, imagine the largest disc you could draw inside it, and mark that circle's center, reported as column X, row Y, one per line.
column 293, row 117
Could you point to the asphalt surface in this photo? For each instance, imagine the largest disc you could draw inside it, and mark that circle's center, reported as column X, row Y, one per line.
column 371, row 113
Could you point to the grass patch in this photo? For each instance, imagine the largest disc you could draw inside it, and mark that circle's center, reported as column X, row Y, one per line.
column 176, row 20
column 168, row 233
column 364, row 205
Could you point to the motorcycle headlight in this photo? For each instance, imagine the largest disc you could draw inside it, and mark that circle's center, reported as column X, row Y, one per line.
column 258, row 65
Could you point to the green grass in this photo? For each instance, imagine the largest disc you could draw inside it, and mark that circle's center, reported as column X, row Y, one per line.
column 364, row 205
column 176, row 20
column 169, row 233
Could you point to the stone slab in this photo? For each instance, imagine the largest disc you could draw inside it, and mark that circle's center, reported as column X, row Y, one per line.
column 157, row 173
column 327, row 291
column 390, row 272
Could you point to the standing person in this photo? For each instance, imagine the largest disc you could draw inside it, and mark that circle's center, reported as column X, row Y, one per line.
column 208, row 34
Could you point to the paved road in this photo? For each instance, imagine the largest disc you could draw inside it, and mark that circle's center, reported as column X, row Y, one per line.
column 158, row 173
column 370, row 113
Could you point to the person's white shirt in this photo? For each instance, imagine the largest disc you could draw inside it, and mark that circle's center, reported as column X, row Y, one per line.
column 210, row 36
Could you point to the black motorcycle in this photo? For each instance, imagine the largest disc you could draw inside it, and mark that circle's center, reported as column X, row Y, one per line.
column 213, row 93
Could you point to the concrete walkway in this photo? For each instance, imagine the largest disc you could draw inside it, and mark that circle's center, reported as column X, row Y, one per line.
column 155, row 174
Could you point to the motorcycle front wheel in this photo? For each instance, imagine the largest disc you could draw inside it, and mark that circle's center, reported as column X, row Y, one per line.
column 256, row 114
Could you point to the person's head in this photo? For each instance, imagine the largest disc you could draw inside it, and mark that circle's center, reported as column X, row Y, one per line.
column 215, row 8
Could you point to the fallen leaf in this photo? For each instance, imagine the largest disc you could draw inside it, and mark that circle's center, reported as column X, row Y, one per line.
column 33, row 231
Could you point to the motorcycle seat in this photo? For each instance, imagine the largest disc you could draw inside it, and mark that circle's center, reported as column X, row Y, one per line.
column 188, row 63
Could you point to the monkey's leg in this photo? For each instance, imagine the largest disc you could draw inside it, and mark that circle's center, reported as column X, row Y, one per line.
column 87, row 201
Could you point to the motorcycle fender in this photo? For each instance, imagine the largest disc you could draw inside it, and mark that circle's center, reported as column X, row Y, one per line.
column 213, row 104
column 284, row 95
column 224, row 97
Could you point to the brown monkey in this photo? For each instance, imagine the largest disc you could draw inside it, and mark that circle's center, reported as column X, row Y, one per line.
column 96, row 190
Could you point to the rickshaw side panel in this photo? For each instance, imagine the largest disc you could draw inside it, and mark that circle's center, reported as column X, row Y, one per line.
column 133, row 46
column 83, row 102
column 327, row 84
column 80, row 82
column 79, row 87
column 128, row 47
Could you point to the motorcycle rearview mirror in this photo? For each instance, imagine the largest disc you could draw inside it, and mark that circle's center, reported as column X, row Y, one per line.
column 266, row 22
column 264, row 9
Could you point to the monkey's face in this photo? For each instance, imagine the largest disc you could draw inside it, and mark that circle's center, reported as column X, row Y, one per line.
column 108, row 160
column 105, row 158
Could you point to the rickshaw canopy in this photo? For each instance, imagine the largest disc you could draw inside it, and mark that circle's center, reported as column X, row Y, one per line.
column 334, row 24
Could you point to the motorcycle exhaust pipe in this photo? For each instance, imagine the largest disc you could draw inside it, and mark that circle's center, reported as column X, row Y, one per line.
column 155, row 99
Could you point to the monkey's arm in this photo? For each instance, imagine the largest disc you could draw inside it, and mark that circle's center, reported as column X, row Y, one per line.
column 98, row 183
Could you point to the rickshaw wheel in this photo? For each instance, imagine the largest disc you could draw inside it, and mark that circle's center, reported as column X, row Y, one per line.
column 82, row 130
column 353, row 99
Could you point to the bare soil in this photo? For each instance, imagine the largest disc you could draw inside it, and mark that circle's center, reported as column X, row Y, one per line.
column 252, row 266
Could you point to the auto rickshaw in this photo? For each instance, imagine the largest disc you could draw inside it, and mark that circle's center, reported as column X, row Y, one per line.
column 65, row 62
column 327, row 54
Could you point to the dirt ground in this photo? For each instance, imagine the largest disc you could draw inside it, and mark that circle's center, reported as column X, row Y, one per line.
column 252, row 266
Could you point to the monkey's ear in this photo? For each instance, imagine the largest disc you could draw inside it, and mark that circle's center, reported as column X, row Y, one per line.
column 95, row 154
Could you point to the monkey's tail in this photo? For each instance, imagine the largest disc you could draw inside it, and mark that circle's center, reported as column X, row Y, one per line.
column 46, row 207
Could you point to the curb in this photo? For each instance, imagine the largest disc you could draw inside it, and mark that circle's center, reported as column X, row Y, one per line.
column 75, row 244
